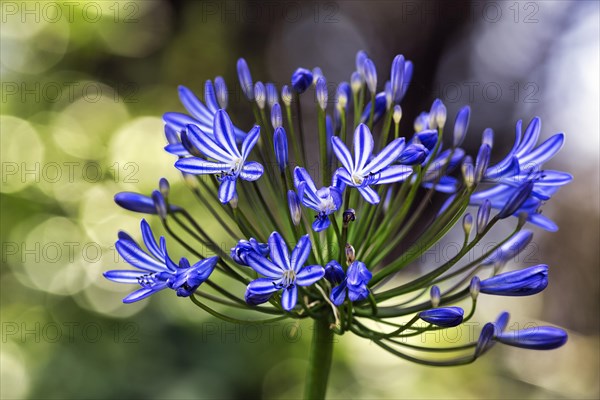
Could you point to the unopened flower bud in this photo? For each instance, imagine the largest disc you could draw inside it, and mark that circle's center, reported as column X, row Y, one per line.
column 468, row 224
column 164, row 187
column 350, row 254
column 397, row 115
column 294, row 206
column 260, row 94
column 286, row 95
column 435, row 295
column 349, row 216
column 474, row 287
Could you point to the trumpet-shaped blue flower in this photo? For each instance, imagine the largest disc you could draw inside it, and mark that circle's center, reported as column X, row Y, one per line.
column 537, row 338
column 523, row 282
column 200, row 115
column 155, row 269
column 362, row 171
column 230, row 163
column 283, row 272
column 443, row 316
column 354, row 284
column 325, row 200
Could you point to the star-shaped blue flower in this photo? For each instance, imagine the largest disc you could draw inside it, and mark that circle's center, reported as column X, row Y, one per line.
column 325, row 200
column 229, row 163
column 156, row 271
column 362, row 171
column 282, row 272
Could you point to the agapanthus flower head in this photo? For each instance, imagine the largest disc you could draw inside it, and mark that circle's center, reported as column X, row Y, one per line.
column 155, row 269
column 282, row 271
column 229, row 163
column 354, row 285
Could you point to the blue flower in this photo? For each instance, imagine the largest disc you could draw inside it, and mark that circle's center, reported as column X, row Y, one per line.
column 201, row 115
column 538, row 338
column 325, row 200
column 282, row 272
column 155, row 269
column 334, row 272
column 230, row 162
column 523, row 282
column 362, row 173
column 244, row 247
column 443, row 316
column 524, row 164
column 354, row 284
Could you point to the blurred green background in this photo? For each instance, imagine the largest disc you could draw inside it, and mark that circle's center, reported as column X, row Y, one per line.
column 84, row 85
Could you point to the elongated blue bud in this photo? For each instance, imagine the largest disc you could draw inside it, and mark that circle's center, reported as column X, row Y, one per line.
column 488, row 137
column 136, row 202
column 414, row 153
column 361, row 56
column 443, row 316
column 245, row 79
column 281, row 148
column 397, row 115
column 370, row 75
column 461, row 124
column 484, row 343
column 483, row 215
column 164, row 187
column 397, row 77
column 160, row 204
column 538, row 338
column 321, row 92
column 334, row 272
column 421, row 122
column 221, row 92
column 467, row 224
column 437, row 114
column 510, row 248
column 260, row 94
column 501, row 322
column 482, row 162
column 295, row 207
column 301, row 80
column 276, row 117
column 388, row 95
column 524, row 282
column 286, row 95
column 272, row 96
column 435, row 295
column 474, row 287
column 317, row 73
column 408, row 72
column 468, row 171
column 356, row 82
column 516, row 200
column 343, row 95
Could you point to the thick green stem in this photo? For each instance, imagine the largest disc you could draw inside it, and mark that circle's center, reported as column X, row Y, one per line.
column 320, row 360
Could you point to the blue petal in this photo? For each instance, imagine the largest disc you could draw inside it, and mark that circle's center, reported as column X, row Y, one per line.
column 198, row 166
column 168, row 262
column 149, row 240
column 224, row 133
column 543, row 222
column 300, row 253
column 321, row 223
column 210, row 97
column 393, row 173
column 262, row 286
column 388, row 155
column 194, row 105
column 279, row 251
column 263, row 266
column 543, row 152
column 250, row 140
column 123, row 276
column 363, row 146
column 207, row 145
column 369, row 194
column 342, row 153
column 176, row 149
column 180, row 121
column 338, row 294
column 251, row 171
column 289, row 298
column 341, row 174
column 133, row 255
column 530, row 138
column 309, row 275
column 142, row 293
column 227, row 190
